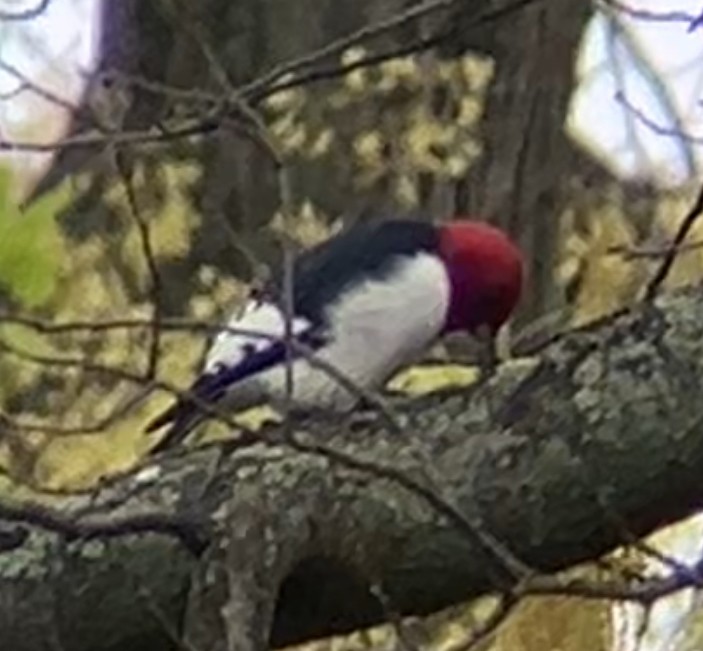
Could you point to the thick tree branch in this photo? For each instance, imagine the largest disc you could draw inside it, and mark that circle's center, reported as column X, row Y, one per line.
column 562, row 459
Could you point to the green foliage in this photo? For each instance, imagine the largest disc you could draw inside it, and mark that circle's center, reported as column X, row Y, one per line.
column 31, row 245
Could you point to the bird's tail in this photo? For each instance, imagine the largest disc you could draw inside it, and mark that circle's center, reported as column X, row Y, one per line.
column 163, row 418
column 177, row 432
column 183, row 417
column 188, row 411
column 185, row 414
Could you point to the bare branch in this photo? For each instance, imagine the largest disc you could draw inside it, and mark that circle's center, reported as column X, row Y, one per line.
column 266, row 85
column 272, row 82
column 685, row 227
column 335, row 71
column 168, row 323
column 14, row 92
column 151, row 264
column 641, row 60
column 29, row 84
column 138, row 379
column 669, row 132
column 86, row 528
column 651, row 251
column 513, row 566
column 166, row 90
column 25, row 14
column 235, row 108
column 643, row 592
column 163, row 134
column 338, row 46
column 536, row 437
column 648, row 15
column 689, row 219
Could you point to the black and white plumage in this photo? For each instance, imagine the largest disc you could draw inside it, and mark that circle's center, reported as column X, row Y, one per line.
column 367, row 301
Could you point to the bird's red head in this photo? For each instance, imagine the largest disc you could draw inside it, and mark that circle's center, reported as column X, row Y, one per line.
column 485, row 273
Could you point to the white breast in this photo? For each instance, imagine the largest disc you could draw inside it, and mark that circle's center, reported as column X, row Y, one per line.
column 374, row 329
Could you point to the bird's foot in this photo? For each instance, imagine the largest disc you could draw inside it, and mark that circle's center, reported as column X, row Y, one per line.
column 362, row 417
column 387, row 407
column 488, row 357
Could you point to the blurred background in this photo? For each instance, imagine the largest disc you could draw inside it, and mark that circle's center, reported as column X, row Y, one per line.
column 575, row 126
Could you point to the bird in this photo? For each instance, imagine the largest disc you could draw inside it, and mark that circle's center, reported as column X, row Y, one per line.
column 366, row 302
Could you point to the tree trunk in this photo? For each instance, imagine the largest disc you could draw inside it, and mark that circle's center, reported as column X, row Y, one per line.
column 521, row 181
column 527, row 171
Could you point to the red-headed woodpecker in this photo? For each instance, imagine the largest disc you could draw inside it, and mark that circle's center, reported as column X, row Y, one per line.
column 367, row 301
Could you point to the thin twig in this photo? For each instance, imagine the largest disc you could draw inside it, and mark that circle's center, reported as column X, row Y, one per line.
column 644, row 592
column 29, row 84
column 669, row 132
column 372, row 398
column 339, row 45
column 87, row 366
column 48, row 327
column 648, row 15
column 273, row 81
column 151, row 265
column 512, row 564
column 166, row 90
column 25, row 14
column 474, row 530
column 87, row 527
column 288, row 316
column 640, row 58
column 335, row 71
column 260, row 135
column 267, row 84
column 686, row 225
column 13, row 92
column 193, row 28
column 620, row 523
column 652, row 251
column 152, row 136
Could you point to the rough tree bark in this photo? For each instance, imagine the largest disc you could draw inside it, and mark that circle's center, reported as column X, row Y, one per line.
column 562, row 459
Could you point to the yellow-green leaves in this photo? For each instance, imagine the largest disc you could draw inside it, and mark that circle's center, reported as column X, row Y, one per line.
column 30, row 245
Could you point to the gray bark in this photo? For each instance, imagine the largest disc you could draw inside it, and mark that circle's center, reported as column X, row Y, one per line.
column 562, row 459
